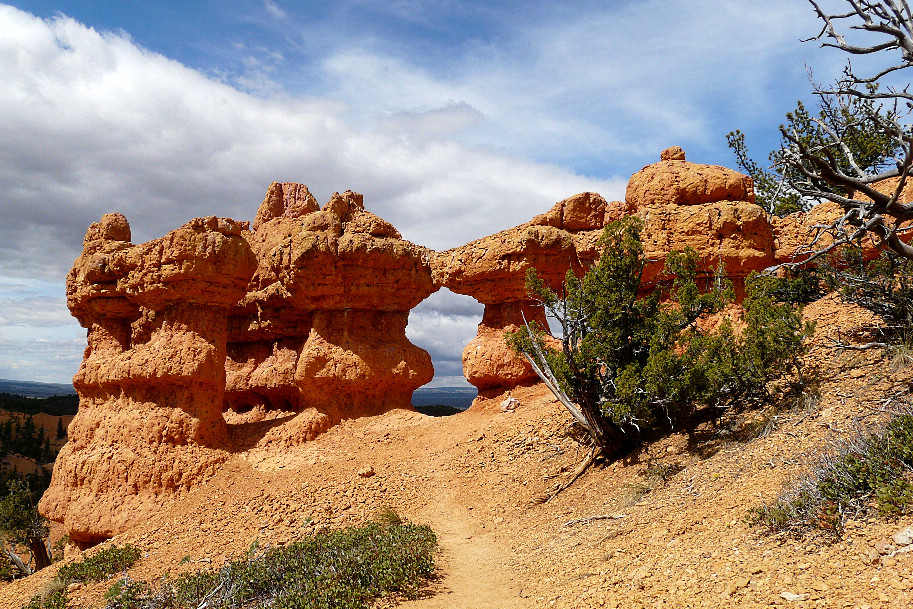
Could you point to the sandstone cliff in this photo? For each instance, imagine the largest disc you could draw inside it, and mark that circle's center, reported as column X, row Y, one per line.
column 323, row 325
column 152, row 380
column 200, row 341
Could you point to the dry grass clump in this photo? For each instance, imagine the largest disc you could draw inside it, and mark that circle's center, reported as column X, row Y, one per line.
column 871, row 471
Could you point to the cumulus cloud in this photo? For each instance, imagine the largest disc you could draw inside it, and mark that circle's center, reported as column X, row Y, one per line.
column 450, row 137
column 93, row 123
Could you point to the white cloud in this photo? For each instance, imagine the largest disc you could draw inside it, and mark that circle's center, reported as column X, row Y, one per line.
column 273, row 9
column 448, row 151
column 92, row 123
column 618, row 83
column 443, row 324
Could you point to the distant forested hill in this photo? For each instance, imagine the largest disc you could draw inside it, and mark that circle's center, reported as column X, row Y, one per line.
column 32, row 398
column 455, row 397
column 35, row 390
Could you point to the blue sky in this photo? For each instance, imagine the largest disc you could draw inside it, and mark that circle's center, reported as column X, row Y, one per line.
column 455, row 120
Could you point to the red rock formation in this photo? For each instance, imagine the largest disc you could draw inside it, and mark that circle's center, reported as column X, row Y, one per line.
column 152, row 380
column 323, row 325
column 706, row 207
column 493, row 271
column 197, row 340
column 205, row 340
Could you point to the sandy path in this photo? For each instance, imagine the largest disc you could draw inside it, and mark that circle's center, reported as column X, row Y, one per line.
column 476, row 570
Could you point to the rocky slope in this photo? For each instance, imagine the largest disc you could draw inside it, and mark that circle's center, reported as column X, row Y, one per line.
column 627, row 535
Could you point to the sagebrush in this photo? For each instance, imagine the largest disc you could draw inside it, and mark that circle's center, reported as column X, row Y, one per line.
column 871, row 472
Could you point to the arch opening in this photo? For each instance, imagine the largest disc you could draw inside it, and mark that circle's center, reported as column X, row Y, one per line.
column 443, row 324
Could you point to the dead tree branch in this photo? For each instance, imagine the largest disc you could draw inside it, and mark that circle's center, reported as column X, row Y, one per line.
column 823, row 168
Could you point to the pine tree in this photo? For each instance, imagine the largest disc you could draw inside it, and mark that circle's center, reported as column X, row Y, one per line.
column 851, row 120
column 633, row 358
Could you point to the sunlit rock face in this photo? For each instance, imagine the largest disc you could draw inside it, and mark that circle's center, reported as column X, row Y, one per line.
column 152, row 380
column 682, row 204
column 220, row 338
column 323, row 325
column 493, row 271
column 217, row 338
column 706, row 207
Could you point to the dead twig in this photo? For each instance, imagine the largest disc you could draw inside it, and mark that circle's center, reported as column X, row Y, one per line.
column 577, row 473
column 592, row 518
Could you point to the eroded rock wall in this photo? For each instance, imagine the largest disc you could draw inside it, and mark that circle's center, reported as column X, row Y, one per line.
column 493, row 271
column 152, row 380
column 682, row 204
column 218, row 337
column 322, row 329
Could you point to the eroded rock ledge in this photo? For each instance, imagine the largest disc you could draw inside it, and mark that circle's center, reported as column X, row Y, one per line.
column 202, row 342
column 220, row 337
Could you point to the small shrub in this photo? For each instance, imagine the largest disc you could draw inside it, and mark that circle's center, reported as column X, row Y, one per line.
column 638, row 358
column 55, row 600
column 873, row 469
column 376, row 560
column 101, row 565
column 655, row 476
column 126, row 594
column 344, row 569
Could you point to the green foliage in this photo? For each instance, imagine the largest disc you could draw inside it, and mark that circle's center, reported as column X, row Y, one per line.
column 850, row 120
column 20, row 523
column 101, row 565
column 801, row 285
column 20, row 435
column 55, row 600
column 771, row 190
column 633, row 356
column 344, row 569
column 126, row 594
column 883, row 285
column 17, row 512
column 873, row 470
column 340, row 569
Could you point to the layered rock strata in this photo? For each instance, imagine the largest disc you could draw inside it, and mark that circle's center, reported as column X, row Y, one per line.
column 322, row 329
column 493, row 271
column 152, row 380
column 204, row 341
column 706, row 207
column 682, row 204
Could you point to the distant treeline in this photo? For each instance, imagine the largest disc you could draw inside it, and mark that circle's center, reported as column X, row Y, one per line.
column 57, row 405
column 20, row 436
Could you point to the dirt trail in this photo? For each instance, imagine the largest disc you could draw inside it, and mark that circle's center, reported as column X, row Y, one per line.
column 476, row 570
